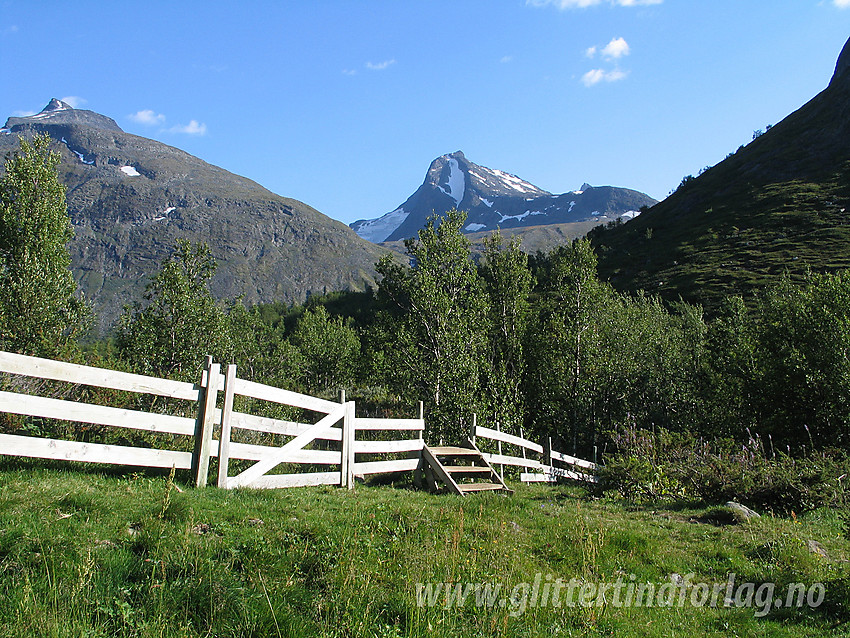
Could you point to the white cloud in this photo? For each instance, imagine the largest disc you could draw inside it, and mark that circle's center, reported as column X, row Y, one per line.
column 595, row 76
column 148, row 117
column 192, row 128
column 582, row 4
column 506, row 58
column 349, row 71
column 379, row 66
column 590, row 52
column 74, row 101
column 616, row 48
column 841, row 4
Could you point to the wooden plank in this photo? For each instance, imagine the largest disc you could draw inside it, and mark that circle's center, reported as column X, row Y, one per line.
column 248, row 452
column 495, row 435
column 572, row 460
column 453, row 451
column 379, row 467
column 14, row 445
column 467, row 469
column 386, row 447
column 277, row 426
column 479, row 487
column 279, row 395
column 98, row 414
column 100, row 377
column 512, row 460
column 560, row 472
column 226, row 413
column 273, row 481
column 261, row 467
column 389, row 424
column 527, row 477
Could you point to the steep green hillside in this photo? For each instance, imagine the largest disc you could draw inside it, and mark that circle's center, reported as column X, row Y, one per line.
column 782, row 203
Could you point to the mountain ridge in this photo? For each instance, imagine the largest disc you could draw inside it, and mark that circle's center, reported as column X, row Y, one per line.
column 130, row 198
column 494, row 199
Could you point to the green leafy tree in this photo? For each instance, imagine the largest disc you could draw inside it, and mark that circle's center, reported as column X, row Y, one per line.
column 802, row 368
column 180, row 322
column 40, row 313
column 508, row 283
column 434, row 325
column 566, row 345
column 329, row 350
column 731, row 371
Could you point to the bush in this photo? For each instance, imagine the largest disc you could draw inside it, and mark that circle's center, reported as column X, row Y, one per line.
column 653, row 466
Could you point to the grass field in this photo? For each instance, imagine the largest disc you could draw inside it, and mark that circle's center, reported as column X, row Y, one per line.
column 90, row 553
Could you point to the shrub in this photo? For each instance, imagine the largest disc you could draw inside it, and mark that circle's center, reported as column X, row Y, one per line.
column 660, row 465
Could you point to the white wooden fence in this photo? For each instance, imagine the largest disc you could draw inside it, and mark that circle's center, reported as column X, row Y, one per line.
column 336, row 427
column 546, row 471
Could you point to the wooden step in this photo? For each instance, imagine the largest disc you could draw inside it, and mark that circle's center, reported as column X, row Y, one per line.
column 466, row 469
column 479, row 487
column 454, row 451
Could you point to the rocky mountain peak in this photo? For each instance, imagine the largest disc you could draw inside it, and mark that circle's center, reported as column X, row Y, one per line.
column 56, row 105
column 495, row 199
column 59, row 112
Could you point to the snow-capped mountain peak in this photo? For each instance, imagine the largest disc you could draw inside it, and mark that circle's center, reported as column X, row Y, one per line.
column 494, row 198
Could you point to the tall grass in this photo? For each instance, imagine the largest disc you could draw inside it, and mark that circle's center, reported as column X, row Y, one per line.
column 84, row 553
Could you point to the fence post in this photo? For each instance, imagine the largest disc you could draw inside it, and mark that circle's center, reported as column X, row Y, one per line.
column 346, row 467
column 204, row 424
column 224, row 439
column 474, row 427
column 501, row 465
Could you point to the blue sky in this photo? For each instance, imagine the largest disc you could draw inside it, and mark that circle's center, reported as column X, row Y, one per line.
column 343, row 104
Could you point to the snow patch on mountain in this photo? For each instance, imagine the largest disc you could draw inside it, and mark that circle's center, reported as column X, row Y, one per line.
column 512, row 181
column 377, row 230
column 130, row 171
column 457, row 182
column 475, row 227
column 521, row 216
column 77, row 153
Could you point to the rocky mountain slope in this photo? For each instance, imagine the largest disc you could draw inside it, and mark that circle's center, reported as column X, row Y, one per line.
column 495, row 199
column 779, row 204
column 130, row 198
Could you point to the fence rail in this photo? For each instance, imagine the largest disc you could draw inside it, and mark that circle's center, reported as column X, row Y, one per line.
column 336, row 427
column 332, row 432
column 545, row 472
